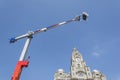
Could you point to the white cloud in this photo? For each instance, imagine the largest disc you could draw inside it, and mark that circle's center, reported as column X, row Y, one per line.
column 96, row 54
column 97, row 51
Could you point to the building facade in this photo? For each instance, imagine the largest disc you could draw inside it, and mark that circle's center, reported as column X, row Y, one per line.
column 78, row 70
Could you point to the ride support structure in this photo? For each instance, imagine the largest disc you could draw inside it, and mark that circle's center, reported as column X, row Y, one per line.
column 24, row 63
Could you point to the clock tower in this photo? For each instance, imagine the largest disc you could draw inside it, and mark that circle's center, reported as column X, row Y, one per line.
column 78, row 70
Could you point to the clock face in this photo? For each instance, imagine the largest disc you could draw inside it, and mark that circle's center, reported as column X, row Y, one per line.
column 77, row 59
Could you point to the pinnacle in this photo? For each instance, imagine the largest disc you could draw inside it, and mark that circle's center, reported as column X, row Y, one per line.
column 74, row 49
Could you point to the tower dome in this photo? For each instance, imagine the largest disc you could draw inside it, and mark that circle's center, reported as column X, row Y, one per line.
column 60, row 71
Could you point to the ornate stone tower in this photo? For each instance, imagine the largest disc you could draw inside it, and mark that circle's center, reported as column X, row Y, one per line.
column 78, row 70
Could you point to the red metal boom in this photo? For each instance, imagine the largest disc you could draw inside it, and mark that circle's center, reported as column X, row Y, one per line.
column 20, row 65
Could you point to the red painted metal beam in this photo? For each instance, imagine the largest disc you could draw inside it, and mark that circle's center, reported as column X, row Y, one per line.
column 17, row 72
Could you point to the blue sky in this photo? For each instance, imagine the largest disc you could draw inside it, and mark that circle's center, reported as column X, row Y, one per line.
column 97, row 39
